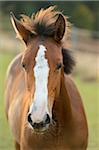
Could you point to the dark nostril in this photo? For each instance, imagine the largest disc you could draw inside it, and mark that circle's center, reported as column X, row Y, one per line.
column 29, row 118
column 47, row 121
column 35, row 125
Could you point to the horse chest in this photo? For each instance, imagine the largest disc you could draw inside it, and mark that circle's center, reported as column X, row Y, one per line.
column 48, row 141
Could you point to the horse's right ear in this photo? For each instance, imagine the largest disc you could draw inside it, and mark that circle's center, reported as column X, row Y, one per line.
column 20, row 30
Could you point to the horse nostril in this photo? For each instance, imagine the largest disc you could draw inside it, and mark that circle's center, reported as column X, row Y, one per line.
column 47, row 120
column 35, row 125
column 29, row 118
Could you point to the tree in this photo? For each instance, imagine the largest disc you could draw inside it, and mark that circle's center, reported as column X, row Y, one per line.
column 83, row 17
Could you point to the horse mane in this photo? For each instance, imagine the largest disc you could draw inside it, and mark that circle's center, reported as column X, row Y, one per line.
column 43, row 24
column 68, row 60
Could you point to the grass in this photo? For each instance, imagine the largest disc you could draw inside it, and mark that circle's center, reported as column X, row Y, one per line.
column 5, row 134
column 89, row 93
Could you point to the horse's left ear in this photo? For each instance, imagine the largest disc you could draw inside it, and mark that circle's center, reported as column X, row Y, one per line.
column 60, row 26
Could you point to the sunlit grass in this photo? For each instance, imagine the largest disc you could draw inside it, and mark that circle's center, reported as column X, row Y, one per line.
column 89, row 93
column 5, row 134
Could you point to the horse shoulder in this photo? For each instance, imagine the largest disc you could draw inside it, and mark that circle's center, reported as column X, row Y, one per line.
column 79, row 118
column 14, row 91
column 74, row 95
column 10, row 79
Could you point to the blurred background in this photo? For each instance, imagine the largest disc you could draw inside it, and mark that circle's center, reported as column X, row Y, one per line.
column 84, row 16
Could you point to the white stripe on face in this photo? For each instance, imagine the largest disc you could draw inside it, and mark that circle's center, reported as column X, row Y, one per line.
column 39, row 106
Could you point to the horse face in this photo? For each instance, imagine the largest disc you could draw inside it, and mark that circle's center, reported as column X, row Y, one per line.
column 42, row 62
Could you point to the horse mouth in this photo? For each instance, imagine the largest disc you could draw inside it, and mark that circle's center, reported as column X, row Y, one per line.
column 39, row 130
column 44, row 129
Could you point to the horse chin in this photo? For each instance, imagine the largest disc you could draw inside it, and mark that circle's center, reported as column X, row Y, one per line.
column 41, row 130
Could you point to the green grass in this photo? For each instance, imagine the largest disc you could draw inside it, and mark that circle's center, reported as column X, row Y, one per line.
column 89, row 93
column 5, row 134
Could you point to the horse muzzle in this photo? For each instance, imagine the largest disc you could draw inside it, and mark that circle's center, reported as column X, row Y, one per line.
column 40, row 126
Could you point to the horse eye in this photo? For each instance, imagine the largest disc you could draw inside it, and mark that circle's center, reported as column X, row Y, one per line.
column 24, row 65
column 58, row 66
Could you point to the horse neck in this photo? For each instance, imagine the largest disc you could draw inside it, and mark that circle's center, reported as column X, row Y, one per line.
column 62, row 107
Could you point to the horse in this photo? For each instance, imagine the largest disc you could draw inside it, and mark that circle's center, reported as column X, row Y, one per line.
column 43, row 106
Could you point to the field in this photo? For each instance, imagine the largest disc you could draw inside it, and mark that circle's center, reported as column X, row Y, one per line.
column 89, row 93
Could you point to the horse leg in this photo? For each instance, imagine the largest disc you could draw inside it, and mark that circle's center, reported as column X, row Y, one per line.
column 17, row 146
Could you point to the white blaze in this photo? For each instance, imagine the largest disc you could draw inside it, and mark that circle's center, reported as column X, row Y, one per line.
column 39, row 107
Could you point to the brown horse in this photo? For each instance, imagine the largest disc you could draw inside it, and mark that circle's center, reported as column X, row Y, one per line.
column 43, row 106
